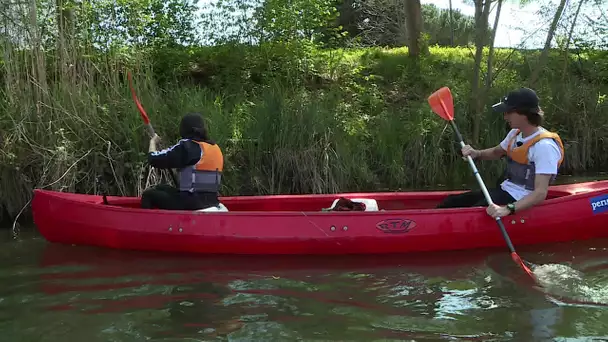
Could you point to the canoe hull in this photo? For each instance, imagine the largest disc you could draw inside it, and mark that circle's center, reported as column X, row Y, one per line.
column 85, row 220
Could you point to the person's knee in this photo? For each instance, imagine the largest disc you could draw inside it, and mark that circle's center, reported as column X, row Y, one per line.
column 450, row 201
column 461, row 200
column 150, row 189
column 148, row 197
column 165, row 188
column 481, row 203
column 146, row 201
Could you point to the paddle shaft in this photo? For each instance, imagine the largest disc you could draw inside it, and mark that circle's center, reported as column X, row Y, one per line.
column 483, row 188
column 151, row 132
column 147, row 123
column 150, row 129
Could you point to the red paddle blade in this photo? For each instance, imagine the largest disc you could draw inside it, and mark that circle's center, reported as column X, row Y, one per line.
column 442, row 103
column 521, row 264
column 139, row 106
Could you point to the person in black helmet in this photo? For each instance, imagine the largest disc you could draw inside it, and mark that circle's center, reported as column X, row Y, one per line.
column 200, row 163
column 534, row 156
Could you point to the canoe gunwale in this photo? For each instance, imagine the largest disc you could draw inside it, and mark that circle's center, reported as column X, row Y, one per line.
column 560, row 196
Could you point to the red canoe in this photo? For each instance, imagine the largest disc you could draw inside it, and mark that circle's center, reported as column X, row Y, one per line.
column 296, row 224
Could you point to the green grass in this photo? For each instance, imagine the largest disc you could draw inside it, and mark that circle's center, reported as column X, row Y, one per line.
column 289, row 120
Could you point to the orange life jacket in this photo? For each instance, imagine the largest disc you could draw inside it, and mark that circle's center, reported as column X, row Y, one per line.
column 206, row 174
column 519, row 169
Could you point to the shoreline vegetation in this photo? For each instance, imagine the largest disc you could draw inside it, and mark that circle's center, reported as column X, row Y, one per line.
column 291, row 115
column 341, row 120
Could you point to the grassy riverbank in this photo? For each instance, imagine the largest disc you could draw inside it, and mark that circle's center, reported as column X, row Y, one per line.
column 290, row 119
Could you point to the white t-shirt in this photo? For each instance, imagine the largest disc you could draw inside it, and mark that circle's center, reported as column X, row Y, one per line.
column 545, row 154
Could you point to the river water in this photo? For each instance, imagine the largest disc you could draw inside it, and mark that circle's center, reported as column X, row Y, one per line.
column 51, row 292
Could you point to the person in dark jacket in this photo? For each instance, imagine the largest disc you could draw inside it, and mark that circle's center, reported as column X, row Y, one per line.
column 200, row 163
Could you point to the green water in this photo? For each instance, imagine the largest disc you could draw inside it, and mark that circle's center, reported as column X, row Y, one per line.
column 53, row 292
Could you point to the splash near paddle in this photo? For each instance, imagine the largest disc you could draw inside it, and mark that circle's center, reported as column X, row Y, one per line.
column 442, row 104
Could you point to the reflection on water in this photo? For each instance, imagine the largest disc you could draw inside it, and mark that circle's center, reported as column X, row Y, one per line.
column 53, row 292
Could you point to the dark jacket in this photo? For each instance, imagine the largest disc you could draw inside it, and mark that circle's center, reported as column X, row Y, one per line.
column 185, row 153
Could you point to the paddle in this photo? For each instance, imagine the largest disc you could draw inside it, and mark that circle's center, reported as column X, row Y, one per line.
column 142, row 112
column 442, row 104
column 146, row 119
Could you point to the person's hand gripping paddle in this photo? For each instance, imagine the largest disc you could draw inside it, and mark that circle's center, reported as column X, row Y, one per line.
column 442, row 104
column 146, row 119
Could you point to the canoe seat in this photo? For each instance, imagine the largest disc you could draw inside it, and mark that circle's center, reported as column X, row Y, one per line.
column 344, row 204
column 219, row 208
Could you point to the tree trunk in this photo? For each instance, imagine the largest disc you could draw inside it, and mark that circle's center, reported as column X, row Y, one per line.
column 580, row 4
column 451, row 26
column 545, row 53
column 491, row 52
column 482, row 12
column 413, row 11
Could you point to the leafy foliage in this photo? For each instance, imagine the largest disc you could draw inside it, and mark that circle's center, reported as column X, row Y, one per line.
column 141, row 22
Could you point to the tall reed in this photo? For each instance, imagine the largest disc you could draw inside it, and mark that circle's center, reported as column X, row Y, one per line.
column 305, row 122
